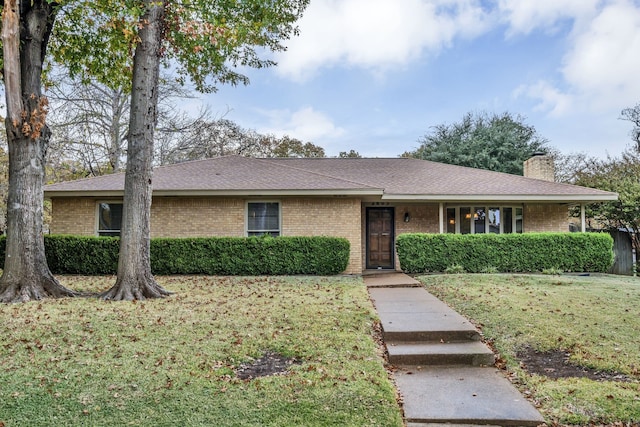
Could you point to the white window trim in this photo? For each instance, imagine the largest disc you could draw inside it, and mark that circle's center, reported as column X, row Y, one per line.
column 246, row 214
column 514, row 218
column 97, row 222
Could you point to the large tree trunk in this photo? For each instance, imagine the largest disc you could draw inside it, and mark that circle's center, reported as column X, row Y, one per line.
column 135, row 280
column 25, row 34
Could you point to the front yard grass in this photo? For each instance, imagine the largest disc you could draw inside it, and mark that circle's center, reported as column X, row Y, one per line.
column 595, row 319
column 173, row 361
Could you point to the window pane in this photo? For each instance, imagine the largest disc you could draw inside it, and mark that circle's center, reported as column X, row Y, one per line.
column 494, row 220
column 263, row 218
column 465, row 220
column 518, row 220
column 479, row 217
column 451, row 220
column 109, row 219
column 507, row 224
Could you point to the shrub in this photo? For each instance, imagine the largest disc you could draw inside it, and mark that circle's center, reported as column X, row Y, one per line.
column 250, row 256
column 531, row 252
column 221, row 256
column 455, row 269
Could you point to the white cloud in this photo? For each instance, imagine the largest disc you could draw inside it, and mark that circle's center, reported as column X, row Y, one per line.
column 599, row 70
column 603, row 63
column 550, row 98
column 526, row 16
column 305, row 124
column 377, row 34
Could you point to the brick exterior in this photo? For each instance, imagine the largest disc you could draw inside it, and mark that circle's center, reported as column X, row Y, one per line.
column 545, row 218
column 326, row 217
column 540, row 167
column 340, row 217
column 197, row 217
column 73, row 216
column 422, row 219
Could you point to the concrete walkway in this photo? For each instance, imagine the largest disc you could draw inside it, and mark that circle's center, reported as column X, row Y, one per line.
column 443, row 371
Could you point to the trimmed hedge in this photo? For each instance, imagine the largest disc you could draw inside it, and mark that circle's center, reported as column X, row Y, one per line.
column 215, row 256
column 530, row 252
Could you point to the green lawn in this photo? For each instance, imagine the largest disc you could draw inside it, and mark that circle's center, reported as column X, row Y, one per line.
column 596, row 319
column 172, row 362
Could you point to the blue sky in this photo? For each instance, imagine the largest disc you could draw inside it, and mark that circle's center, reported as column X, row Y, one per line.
column 375, row 75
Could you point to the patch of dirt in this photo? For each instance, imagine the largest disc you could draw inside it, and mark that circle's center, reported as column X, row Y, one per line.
column 555, row 364
column 269, row 364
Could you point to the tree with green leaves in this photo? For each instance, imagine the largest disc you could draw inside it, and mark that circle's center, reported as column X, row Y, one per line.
column 620, row 175
column 497, row 142
column 208, row 41
column 291, row 147
column 351, row 154
column 26, row 28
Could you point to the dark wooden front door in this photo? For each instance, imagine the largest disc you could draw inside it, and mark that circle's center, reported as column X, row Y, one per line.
column 380, row 238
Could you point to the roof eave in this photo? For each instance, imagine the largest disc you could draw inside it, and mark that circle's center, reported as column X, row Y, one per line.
column 569, row 198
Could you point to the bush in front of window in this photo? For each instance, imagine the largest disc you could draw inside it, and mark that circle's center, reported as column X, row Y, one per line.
column 246, row 256
column 517, row 253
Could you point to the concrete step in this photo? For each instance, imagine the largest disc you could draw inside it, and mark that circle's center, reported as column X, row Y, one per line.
column 473, row 353
column 421, row 335
column 462, row 396
column 390, row 280
column 412, row 314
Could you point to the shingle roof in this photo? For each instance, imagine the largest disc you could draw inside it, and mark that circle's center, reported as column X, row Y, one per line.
column 393, row 178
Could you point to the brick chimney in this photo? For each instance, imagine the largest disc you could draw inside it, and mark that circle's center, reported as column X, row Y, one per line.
column 540, row 166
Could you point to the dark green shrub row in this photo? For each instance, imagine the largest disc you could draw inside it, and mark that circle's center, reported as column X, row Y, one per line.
column 221, row 256
column 530, row 252
column 250, row 256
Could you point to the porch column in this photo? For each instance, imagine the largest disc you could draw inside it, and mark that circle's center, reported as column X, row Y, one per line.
column 583, row 218
column 441, row 217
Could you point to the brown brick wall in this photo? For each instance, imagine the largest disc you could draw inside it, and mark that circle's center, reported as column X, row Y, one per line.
column 197, row 217
column 540, row 167
column 422, row 219
column 73, row 216
column 326, row 217
column 545, row 218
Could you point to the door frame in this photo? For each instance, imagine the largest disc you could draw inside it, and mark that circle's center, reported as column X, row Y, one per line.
column 392, row 210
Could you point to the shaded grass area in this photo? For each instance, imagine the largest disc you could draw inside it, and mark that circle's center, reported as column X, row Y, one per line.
column 595, row 319
column 173, row 361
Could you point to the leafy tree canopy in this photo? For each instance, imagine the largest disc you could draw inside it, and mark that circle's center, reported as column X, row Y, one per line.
column 351, row 154
column 620, row 175
column 207, row 41
column 497, row 142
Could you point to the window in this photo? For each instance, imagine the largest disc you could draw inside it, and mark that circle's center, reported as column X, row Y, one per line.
column 483, row 219
column 109, row 219
column 263, row 218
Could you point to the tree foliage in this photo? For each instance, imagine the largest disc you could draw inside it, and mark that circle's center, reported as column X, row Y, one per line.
column 212, row 138
column 620, row 175
column 632, row 114
column 351, row 154
column 207, row 42
column 497, row 142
